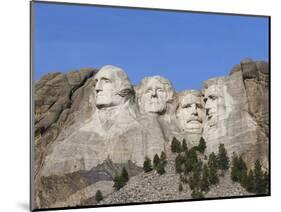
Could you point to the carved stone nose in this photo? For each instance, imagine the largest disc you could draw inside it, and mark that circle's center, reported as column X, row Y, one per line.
column 154, row 94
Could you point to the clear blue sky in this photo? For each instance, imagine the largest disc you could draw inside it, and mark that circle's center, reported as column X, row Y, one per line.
column 187, row 48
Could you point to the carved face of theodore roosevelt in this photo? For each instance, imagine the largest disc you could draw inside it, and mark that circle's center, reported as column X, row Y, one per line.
column 112, row 87
column 190, row 111
column 154, row 94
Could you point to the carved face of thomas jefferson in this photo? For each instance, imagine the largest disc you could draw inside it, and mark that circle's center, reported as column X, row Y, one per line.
column 154, row 93
column 190, row 111
column 112, row 87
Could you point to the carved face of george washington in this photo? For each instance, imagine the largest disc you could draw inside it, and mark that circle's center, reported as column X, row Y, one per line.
column 190, row 111
column 112, row 87
column 154, row 94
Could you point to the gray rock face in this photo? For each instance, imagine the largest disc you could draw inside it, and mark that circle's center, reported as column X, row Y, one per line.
column 237, row 112
column 89, row 124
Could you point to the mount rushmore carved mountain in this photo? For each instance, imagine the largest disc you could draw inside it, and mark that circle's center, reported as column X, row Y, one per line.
column 90, row 123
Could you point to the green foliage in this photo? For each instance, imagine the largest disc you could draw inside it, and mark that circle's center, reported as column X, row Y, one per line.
column 244, row 179
column 98, row 196
column 202, row 145
column 184, row 146
column 156, row 161
column 234, row 169
column 118, row 182
column 147, row 167
column 160, row 163
column 197, row 194
column 183, row 179
column 180, row 187
column 265, row 181
column 194, row 180
column 121, row 180
column 205, row 184
column 124, row 174
column 250, row 185
column 163, row 158
column 176, row 145
column 222, row 158
column 212, row 162
column 255, row 182
column 213, row 175
column 238, row 170
column 178, row 163
column 259, row 179
column 213, row 169
column 160, row 169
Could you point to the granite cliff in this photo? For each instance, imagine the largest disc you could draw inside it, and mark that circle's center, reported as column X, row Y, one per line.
column 90, row 123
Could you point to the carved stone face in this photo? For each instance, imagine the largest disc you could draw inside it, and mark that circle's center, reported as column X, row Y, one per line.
column 214, row 104
column 154, row 95
column 190, row 112
column 109, row 81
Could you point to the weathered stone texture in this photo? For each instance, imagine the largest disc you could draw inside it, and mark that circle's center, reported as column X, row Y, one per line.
column 88, row 124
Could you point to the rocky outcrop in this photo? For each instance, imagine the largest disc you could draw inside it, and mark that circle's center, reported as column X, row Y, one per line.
column 58, row 99
column 237, row 112
column 88, row 124
column 152, row 187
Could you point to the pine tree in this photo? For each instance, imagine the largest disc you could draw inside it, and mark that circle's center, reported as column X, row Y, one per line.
column 118, row 182
column 195, row 179
column 197, row 194
column 156, row 161
column 266, row 182
column 234, row 168
column 175, row 146
column 238, row 170
column 202, row 145
column 244, row 179
column 205, row 179
column 212, row 162
column 124, row 175
column 242, row 168
column 178, row 163
column 222, row 158
column 98, row 196
column 259, row 183
column 163, row 158
column 121, row 180
column 192, row 157
column 250, row 185
column 160, row 168
column 180, row 187
column 184, row 146
column 213, row 175
column 147, row 167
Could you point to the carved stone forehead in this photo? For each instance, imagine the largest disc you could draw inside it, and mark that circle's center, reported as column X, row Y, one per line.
column 214, row 86
column 189, row 97
column 154, row 81
column 116, row 75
